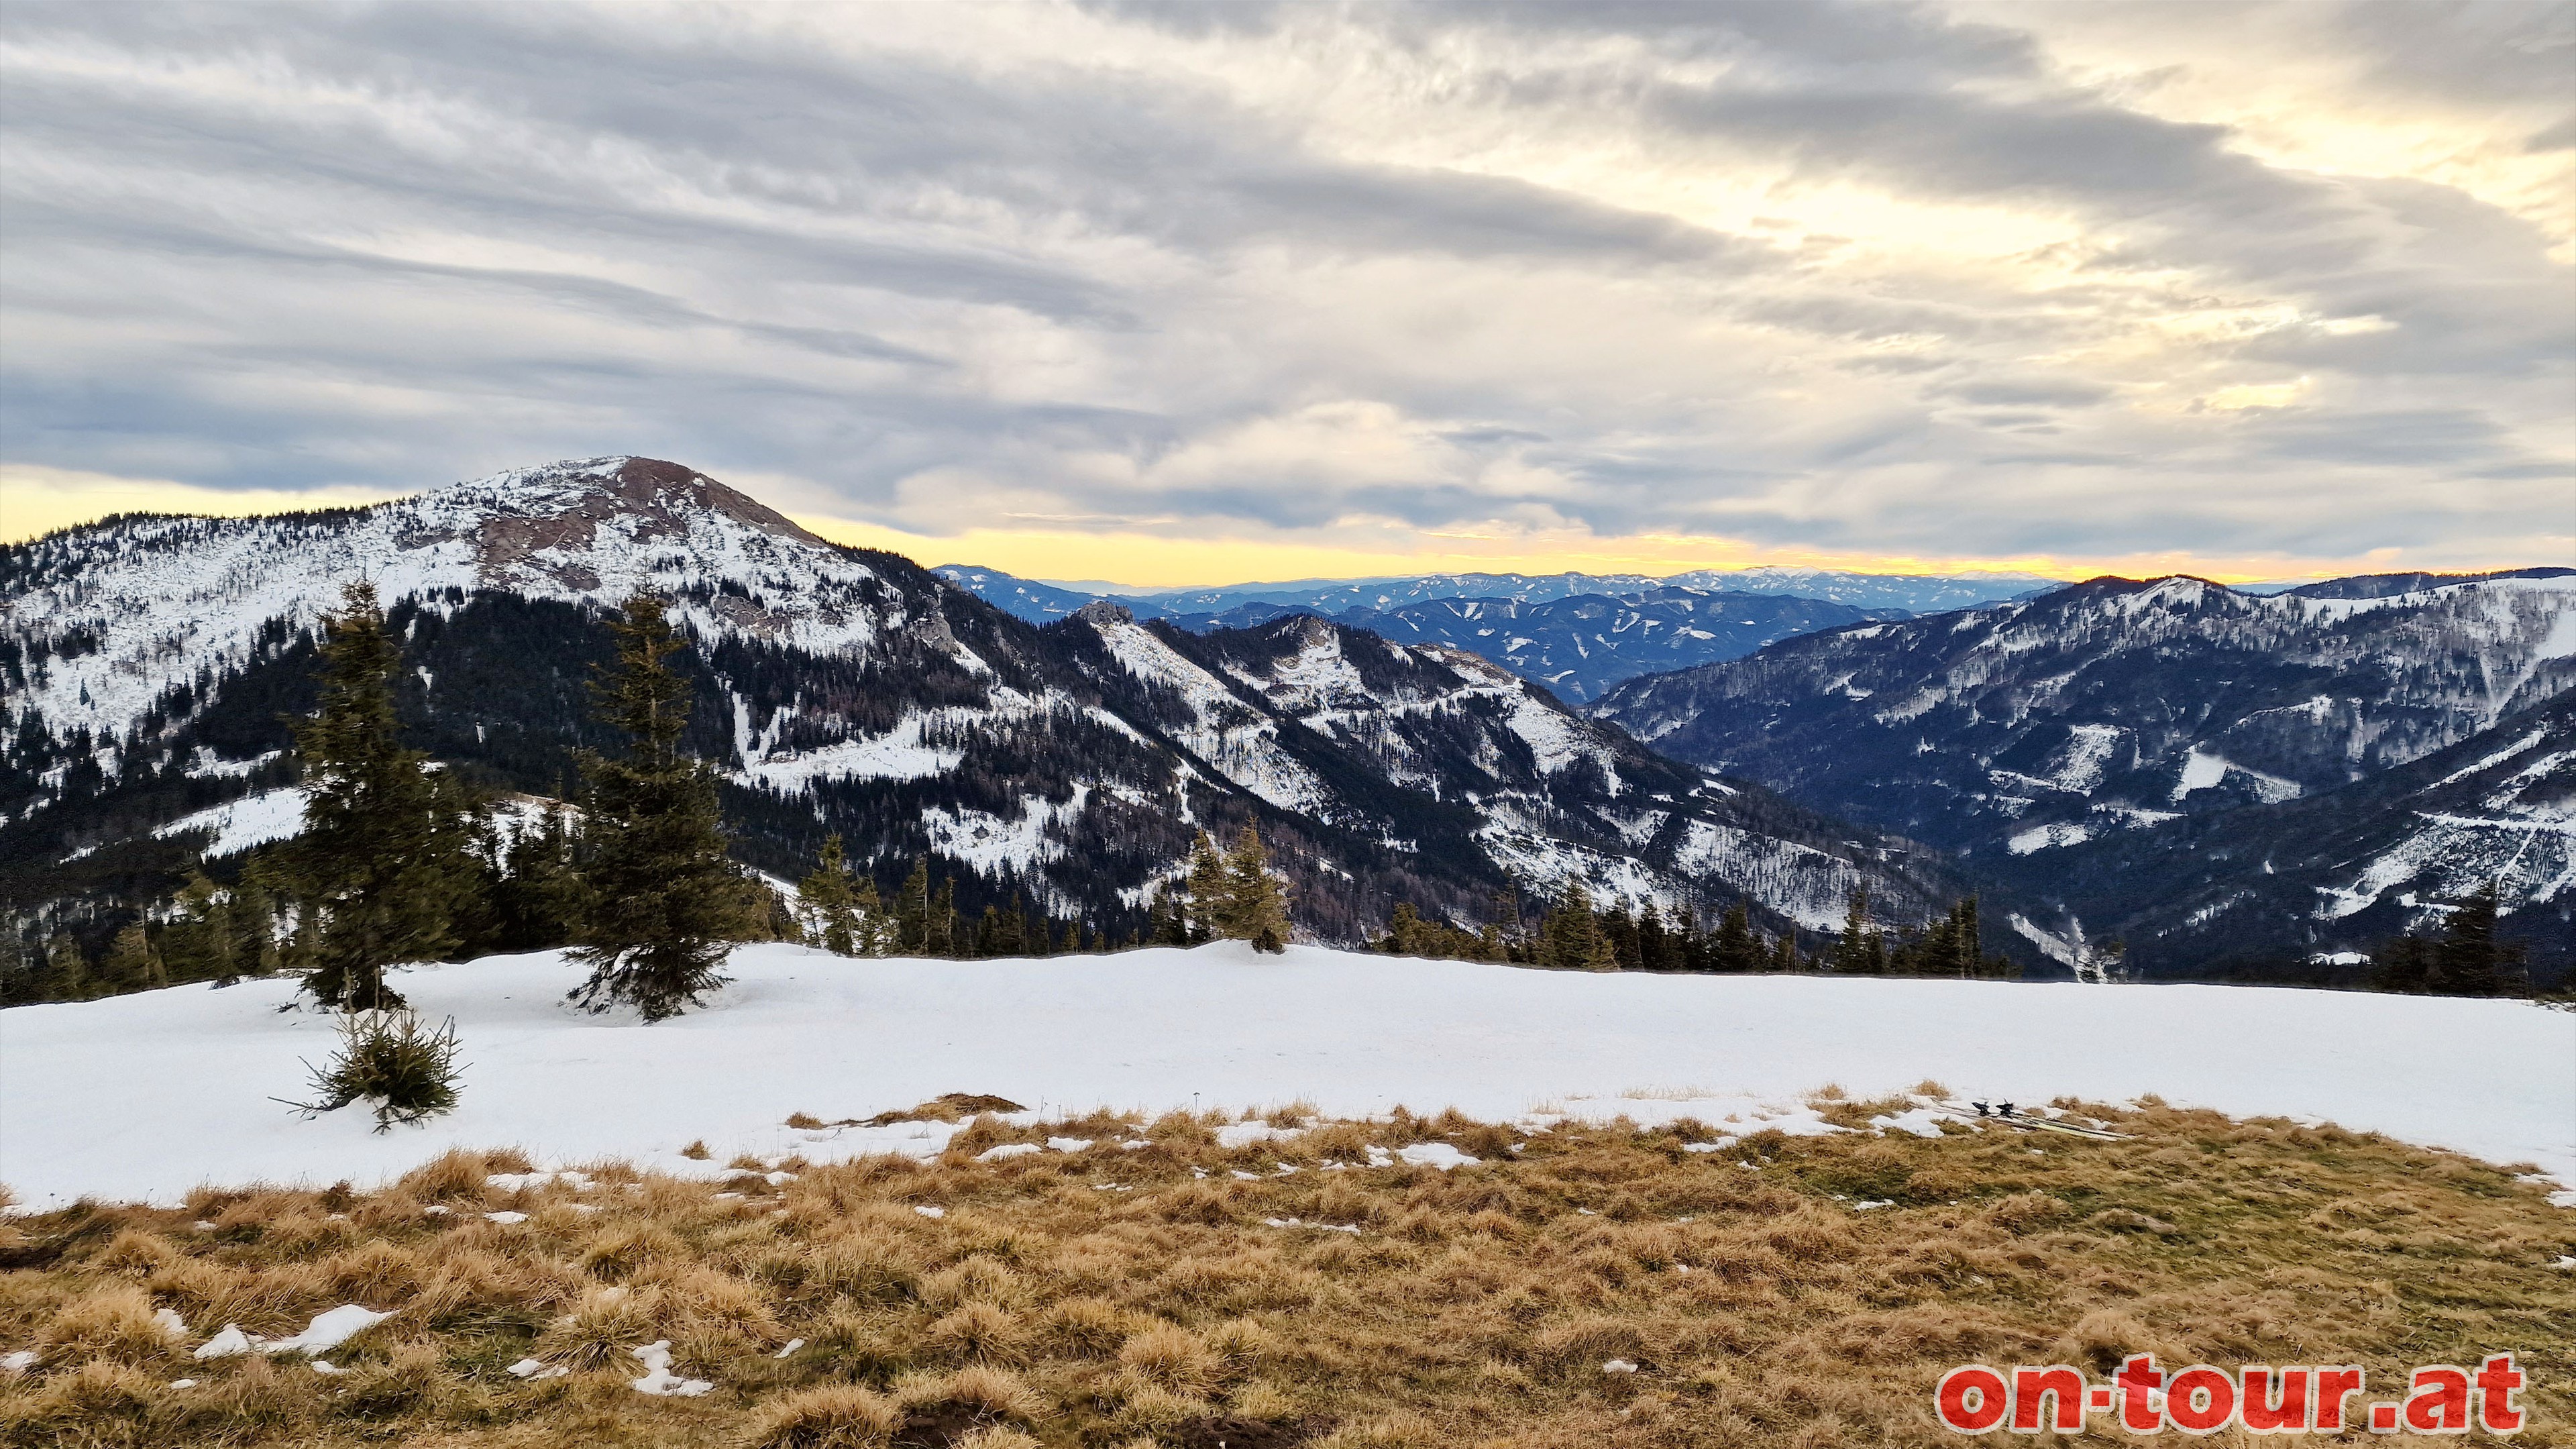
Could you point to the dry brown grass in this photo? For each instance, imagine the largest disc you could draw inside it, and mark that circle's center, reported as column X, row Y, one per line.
column 1472, row 1308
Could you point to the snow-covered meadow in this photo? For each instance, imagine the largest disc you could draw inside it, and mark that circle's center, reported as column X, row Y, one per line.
column 143, row 1097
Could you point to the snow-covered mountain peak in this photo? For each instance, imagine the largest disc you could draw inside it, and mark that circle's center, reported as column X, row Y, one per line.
column 115, row 615
column 560, row 508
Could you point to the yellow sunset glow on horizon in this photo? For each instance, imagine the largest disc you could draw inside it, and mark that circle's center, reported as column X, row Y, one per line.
column 35, row 501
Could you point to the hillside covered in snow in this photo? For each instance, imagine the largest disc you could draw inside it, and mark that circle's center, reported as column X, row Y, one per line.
column 150, row 661
column 146, row 1096
column 2059, row 742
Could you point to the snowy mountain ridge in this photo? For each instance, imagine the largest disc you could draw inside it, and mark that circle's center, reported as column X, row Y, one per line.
column 2023, row 731
column 118, row 614
column 149, row 661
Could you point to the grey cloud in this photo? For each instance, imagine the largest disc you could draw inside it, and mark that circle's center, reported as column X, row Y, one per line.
column 2063, row 392
column 1040, row 278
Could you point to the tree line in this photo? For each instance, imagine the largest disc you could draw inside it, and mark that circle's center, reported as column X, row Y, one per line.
column 2464, row 958
column 1573, row 934
column 1212, row 895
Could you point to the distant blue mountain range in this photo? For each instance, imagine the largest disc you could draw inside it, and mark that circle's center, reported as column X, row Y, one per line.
column 1039, row 601
column 1578, row 634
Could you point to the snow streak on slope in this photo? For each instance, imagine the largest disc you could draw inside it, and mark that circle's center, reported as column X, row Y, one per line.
column 1217, row 1027
column 251, row 820
column 995, row 846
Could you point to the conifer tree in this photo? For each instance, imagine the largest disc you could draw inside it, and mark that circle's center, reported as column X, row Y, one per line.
column 912, row 911
column 1171, row 922
column 1070, row 943
column 1401, row 928
column 1654, row 943
column 1571, row 932
column 2470, row 961
column 383, row 858
column 829, row 905
column 1010, row 929
column 1784, row 951
column 875, row 933
column 1859, row 951
column 67, row 974
column 254, row 919
column 198, row 945
column 1207, row 893
column 1256, row 905
column 1735, row 950
column 2404, row 963
column 540, row 902
column 941, row 935
column 132, row 964
column 1604, row 956
column 665, row 903
column 1621, row 929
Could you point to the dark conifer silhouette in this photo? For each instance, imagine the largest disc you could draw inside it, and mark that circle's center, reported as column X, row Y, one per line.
column 664, row 902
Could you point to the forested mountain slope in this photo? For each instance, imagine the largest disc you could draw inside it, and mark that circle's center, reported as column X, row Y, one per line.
column 2257, row 890
column 1581, row 645
column 149, row 662
column 2015, row 733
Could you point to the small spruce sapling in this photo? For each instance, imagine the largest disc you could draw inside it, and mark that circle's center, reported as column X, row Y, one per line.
column 393, row 1060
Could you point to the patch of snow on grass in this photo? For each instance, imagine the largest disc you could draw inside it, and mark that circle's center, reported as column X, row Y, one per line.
column 328, row 1330
column 658, row 1379
column 1244, row 1134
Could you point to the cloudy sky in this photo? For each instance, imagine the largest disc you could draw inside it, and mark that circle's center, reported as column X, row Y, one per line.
column 1169, row 293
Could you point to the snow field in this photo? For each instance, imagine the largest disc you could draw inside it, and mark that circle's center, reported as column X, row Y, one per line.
column 142, row 1097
